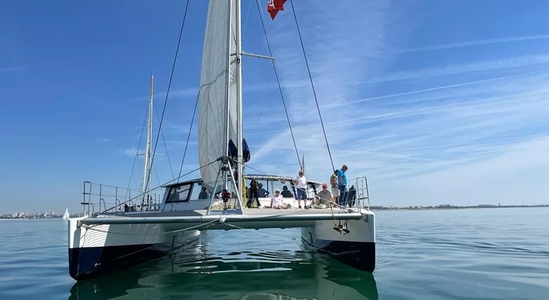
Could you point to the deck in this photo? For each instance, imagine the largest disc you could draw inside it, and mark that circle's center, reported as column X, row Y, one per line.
column 232, row 218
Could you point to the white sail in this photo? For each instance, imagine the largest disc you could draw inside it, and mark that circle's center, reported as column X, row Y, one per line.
column 66, row 215
column 217, row 99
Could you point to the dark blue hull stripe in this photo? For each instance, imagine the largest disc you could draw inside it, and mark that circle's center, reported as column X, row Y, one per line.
column 95, row 261
column 359, row 255
column 91, row 262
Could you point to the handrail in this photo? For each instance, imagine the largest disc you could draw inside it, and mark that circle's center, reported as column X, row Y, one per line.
column 110, row 198
column 362, row 192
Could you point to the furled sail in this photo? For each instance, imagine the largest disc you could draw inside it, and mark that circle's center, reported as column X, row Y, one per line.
column 217, row 98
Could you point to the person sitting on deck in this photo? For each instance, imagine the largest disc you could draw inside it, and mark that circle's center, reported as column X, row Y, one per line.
column 324, row 196
column 286, row 192
column 261, row 192
column 277, row 201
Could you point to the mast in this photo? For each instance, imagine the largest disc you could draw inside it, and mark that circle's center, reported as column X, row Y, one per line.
column 238, row 75
column 146, row 174
column 228, row 87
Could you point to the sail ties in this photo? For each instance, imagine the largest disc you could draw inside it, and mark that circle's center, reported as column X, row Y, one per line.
column 233, row 151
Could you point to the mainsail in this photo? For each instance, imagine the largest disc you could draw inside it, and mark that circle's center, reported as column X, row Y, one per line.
column 217, row 123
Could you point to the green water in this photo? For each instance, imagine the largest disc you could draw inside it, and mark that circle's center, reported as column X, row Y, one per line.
column 445, row 254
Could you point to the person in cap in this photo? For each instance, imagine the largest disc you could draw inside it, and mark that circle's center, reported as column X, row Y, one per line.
column 324, row 196
column 277, row 201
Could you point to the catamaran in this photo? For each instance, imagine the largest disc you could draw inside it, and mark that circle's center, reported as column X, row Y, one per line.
column 140, row 228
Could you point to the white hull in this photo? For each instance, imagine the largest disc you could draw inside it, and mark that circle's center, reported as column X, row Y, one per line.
column 99, row 249
column 355, row 248
column 110, row 241
column 103, row 244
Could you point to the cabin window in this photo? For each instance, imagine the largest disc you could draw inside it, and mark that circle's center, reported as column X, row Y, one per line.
column 196, row 192
column 179, row 193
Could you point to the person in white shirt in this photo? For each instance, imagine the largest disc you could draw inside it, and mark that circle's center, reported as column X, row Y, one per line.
column 333, row 184
column 277, row 201
column 300, row 182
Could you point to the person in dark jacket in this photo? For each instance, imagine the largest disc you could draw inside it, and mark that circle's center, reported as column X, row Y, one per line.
column 286, row 192
column 253, row 194
column 351, row 197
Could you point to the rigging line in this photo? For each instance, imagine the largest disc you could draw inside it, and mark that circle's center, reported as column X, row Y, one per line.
column 188, row 135
column 156, row 173
column 296, row 240
column 206, row 85
column 312, row 84
column 252, row 168
column 136, row 154
column 161, row 185
column 247, row 19
column 206, row 225
column 169, row 86
column 278, row 81
column 165, row 146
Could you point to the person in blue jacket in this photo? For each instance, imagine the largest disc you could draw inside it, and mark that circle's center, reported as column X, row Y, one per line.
column 342, row 185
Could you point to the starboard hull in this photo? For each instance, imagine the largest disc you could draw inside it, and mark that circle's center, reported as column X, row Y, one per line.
column 357, row 248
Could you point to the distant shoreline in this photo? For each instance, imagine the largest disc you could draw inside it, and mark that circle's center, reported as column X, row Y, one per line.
column 373, row 208
column 29, row 218
column 442, row 207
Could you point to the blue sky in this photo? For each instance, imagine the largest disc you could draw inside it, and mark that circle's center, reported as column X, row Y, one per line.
column 435, row 101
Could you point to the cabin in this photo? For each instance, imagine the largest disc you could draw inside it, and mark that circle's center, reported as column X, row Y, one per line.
column 185, row 195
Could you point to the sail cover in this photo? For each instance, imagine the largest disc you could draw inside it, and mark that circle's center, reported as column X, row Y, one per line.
column 217, row 98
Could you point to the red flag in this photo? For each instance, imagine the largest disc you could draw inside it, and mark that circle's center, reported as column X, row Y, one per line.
column 274, row 6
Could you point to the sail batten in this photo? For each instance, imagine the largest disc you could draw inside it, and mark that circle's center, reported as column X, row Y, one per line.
column 217, row 97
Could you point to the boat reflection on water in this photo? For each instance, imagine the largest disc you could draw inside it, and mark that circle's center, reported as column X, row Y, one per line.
column 238, row 275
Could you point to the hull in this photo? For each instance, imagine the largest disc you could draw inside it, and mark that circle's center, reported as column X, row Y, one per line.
column 100, row 249
column 356, row 249
column 104, row 244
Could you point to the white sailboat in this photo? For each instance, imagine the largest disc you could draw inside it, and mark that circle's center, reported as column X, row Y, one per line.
column 126, row 233
column 66, row 215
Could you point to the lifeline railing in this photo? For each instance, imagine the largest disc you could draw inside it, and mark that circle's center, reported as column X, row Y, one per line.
column 362, row 197
column 108, row 198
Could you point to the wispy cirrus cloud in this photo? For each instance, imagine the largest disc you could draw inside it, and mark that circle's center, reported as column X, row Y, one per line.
column 406, row 141
column 7, row 69
column 429, row 133
column 102, row 140
column 476, row 43
column 334, row 63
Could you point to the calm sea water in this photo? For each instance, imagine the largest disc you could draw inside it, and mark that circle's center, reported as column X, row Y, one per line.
column 445, row 254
